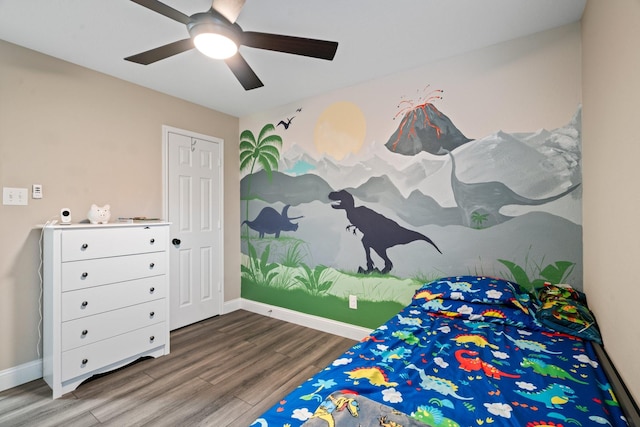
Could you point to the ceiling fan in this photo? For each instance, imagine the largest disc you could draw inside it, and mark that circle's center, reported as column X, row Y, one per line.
column 218, row 25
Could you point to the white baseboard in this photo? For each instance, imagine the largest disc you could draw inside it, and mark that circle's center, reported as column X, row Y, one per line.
column 315, row 322
column 233, row 305
column 20, row 374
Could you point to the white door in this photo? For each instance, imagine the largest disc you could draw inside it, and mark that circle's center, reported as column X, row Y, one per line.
column 193, row 205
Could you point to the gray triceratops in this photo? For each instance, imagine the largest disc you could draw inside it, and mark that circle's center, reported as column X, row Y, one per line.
column 269, row 221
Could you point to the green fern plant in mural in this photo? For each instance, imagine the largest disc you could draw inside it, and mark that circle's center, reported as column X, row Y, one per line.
column 259, row 271
column 554, row 273
column 313, row 281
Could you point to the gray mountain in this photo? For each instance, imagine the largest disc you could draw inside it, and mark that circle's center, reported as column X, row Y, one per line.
column 380, row 192
column 292, row 190
column 487, row 177
column 417, row 210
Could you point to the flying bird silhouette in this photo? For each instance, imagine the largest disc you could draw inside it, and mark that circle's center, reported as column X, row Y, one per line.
column 287, row 123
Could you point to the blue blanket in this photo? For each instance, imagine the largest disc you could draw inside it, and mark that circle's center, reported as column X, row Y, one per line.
column 467, row 351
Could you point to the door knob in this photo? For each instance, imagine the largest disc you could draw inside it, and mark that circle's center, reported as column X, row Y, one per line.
column 176, row 242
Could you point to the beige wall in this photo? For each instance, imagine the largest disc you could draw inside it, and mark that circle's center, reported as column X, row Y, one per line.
column 611, row 154
column 87, row 138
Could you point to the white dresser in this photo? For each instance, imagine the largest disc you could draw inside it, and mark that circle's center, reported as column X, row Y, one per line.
column 105, row 300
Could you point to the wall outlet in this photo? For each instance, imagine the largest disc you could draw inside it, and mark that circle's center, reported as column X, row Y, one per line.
column 353, row 302
column 14, row 196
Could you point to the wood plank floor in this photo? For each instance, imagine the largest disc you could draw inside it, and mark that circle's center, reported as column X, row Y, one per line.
column 223, row 371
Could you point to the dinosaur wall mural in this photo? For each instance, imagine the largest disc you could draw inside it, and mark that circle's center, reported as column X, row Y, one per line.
column 423, row 199
column 475, row 235
column 270, row 221
column 378, row 232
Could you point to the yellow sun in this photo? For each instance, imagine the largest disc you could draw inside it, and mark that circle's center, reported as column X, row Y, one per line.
column 340, row 130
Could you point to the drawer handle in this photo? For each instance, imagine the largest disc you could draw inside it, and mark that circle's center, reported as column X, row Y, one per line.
column 85, row 361
column 153, row 313
column 84, row 246
column 84, row 304
column 84, row 275
column 152, row 241
column 84, row 333
column 152, row 265
column 152, row 289
column 151, row 338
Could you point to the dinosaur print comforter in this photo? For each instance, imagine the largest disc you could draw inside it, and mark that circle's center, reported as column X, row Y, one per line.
column 466, row 352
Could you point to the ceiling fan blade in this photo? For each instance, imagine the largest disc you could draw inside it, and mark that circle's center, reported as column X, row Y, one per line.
column 162, row 52
column 243, row 72
column 163, row 9
column 321, row 49
column 230, row 9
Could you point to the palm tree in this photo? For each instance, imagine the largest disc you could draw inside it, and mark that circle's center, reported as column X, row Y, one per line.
column 264, row 152
column 478, row 218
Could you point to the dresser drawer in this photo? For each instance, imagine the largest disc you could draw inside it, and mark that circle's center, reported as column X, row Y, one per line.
column 99, row 243
column 86, row 359
column 87, row 330
column 101, row 271
column 87, row 302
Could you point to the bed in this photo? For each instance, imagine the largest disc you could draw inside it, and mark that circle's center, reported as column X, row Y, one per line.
column 467, row 351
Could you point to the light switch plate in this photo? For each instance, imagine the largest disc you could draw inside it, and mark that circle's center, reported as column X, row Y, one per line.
column 15, row 196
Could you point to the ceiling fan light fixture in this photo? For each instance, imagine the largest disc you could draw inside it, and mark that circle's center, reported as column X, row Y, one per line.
column 213, row 37
column 216, row 34
column 215, row 46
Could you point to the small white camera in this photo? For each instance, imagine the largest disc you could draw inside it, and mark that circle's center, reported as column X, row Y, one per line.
column 65, row 216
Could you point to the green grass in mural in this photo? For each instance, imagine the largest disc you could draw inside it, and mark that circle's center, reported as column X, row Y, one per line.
column 284, row 279
column 426, row 278
column 293, row 255
column 374, row 274
column 320, row 291
column 369, row 314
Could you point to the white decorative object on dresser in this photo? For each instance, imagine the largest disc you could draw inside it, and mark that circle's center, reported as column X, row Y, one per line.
column 105, row 300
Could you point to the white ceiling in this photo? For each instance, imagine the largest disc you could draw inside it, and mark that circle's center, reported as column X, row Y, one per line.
column 376, row 38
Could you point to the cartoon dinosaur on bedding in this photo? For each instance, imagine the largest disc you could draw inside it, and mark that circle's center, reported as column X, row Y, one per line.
column 553, row 396
column 553, row 371
column 441, row 385
column 529, row 345
column 477, row 364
